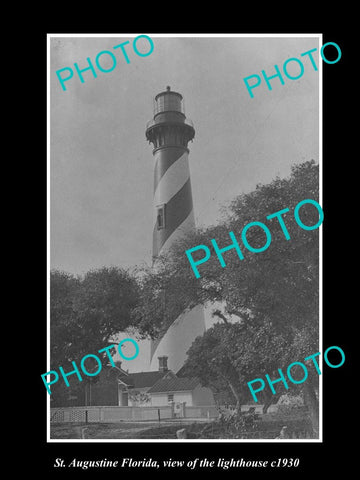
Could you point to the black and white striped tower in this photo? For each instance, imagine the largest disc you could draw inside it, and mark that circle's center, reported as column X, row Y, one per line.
column 170, row 132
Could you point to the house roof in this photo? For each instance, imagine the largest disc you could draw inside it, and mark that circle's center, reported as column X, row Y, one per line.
column 174, row 384
column 142, row 379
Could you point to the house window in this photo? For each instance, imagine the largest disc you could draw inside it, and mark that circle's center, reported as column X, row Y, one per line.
column 160, row 217
column 170, row 397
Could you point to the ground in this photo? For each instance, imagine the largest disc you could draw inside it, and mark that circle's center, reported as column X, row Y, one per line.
column 268, row 426
column 117, row 430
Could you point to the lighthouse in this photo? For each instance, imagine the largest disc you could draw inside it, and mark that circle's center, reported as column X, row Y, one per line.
column 170, row 132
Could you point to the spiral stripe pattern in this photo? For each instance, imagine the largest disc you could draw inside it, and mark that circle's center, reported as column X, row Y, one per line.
column 173, row 191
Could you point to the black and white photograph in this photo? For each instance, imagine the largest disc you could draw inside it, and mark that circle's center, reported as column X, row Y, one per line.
column 186, row 221
column 187, row 237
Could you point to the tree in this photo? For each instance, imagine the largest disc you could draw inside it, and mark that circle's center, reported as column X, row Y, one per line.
column 235, row 353
column 211, row 360
column 246, row 285
column 275, row 292
column 63, row 327
column 139, row 398
column 85, row 315
column 104, row 305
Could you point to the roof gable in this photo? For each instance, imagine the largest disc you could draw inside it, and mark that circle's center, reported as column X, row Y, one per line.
column 174, row 384
column 143, row 379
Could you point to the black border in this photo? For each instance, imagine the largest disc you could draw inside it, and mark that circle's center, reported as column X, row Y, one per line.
column 334, row 454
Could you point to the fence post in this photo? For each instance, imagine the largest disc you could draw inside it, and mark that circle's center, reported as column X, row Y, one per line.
column 86, row 416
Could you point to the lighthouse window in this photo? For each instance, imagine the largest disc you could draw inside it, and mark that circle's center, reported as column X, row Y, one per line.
column 160, row 217
column 172, row 103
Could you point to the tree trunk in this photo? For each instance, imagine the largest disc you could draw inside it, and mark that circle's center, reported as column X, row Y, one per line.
column 267, row 404
column 313, row 405
column 236, row 395
column 269, row 399
column 217, row 313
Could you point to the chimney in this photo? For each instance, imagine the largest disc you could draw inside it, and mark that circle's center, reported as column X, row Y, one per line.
column 163, row 364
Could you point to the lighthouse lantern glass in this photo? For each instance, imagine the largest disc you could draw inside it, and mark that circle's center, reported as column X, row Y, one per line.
column 168, row 102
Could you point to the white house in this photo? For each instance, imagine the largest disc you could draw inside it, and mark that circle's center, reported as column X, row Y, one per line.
column 134, row 387
column 180, row 389
column 158, row 388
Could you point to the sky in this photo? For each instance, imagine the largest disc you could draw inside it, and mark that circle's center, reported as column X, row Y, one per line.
column 101, row 165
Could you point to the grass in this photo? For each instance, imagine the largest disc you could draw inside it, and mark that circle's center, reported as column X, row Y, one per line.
column 264, row 429
column 268, row 427
column 104, row 430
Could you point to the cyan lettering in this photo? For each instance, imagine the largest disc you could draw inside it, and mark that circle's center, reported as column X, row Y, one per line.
column 281, row 221
column 250, row 87
column 319, row 209
column 267, row 233
column 106, row 349
column 91, row 374
column 277, row 74
column 281, row 379
column 65, row 375
column 342, row 357
column 62, row 80
column 312, row 357
column 288, row 372
column 47, row 384
column 136, row 348
column 337, row 48
column 136, row 49
column 309, row 52
column 299, row 63
column 90, row 67
column 113, row 61
column 258, row 389
column 121, row 45
column 194, row 263
column 219, row 251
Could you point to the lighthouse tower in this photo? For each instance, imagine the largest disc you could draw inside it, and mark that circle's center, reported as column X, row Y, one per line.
column 170, row 132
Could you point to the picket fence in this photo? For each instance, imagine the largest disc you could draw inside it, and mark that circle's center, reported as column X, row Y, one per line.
column 120, row 414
